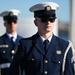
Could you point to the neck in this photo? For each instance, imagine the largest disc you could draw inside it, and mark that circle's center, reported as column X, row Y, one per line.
column 46, row 36
column 12, row 33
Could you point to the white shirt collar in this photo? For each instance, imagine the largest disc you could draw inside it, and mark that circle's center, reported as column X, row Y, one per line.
column 43, row 39
column 14, row 36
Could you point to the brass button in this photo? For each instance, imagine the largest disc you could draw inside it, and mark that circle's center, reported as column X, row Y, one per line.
column 46, row 61
column 4, row 52
column 45, row 72
column 13, row 52
column 32, row 59
column 59, row 62
column 12, row 57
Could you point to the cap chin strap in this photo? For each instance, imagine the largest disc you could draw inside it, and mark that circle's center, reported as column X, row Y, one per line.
column 64, row 59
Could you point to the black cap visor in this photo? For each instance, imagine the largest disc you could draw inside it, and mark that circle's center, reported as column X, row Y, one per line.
column 44, row 13
column 14, row 17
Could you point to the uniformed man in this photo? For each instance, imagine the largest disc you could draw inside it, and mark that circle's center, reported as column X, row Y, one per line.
column 8, row 46
column 43, row 53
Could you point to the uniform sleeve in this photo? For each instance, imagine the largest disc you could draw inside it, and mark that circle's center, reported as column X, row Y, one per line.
column 69, row 65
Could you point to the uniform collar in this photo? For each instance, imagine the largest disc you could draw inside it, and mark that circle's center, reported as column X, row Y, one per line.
column 43, row 39
column 14, row 36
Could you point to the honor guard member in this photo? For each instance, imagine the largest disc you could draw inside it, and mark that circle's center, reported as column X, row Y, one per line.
column 10, row 40
column 43, row 53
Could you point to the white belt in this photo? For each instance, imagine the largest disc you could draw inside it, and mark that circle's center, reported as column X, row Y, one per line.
column 5, row 65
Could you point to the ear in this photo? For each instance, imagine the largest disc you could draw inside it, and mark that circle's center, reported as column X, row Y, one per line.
column 35, row 22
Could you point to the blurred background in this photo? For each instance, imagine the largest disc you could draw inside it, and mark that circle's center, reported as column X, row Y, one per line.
column 64, row 27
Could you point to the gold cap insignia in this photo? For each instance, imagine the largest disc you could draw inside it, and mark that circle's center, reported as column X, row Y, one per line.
column 10, row 13
column 47, row 8
column 58, row 52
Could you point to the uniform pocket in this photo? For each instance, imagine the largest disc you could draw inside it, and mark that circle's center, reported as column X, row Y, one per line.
column 57, row 58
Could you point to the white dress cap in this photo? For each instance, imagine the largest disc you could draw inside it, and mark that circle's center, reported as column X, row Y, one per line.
column 41, row 6
column 14, row 11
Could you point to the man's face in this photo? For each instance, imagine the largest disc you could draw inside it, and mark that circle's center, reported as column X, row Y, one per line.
column 11, row 26
column 44, row 25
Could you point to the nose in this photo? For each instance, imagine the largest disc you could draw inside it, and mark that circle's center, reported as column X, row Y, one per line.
column 47, row 22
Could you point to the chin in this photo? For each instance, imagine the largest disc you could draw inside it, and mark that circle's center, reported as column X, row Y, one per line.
column 48, row 30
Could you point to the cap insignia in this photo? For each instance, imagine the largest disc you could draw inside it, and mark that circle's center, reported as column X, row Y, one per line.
column 47, row 8
column 10, row 13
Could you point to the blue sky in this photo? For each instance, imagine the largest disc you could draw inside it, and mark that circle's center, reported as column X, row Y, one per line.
column 63, row 13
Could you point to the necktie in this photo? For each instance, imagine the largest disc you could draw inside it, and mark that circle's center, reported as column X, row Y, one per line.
column 12, row 42
column 46, row 44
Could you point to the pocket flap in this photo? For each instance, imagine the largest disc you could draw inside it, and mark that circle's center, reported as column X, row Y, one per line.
column 57, row 58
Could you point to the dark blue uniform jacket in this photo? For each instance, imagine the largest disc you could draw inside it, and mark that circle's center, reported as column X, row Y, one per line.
column 32, row 58
column 6, row 52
